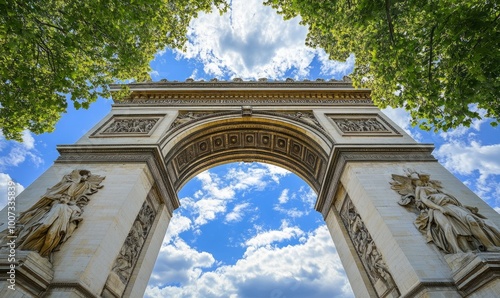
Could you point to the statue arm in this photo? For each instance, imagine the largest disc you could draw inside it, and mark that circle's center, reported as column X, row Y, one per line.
column 431, row 204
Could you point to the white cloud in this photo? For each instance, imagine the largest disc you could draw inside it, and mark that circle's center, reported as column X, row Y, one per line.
column 307, row 198
column 268, row 237
column 178, row 262
column 237, row 213
column 211, row 183
column 402, row 118
column 465, row 158
column 252, row 41
column 6, row 182
column 284, row 196
column 468, row 157
column 18, row 152
column 211, row 200
column 28, row 140
column 310, row 269
column 254, row 176
column 208, row 209
column 177, row 225
column 335, row 68
column 291, row 212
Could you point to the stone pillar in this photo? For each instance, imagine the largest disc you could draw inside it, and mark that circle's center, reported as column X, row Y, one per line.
column 135, row 192
column 364, row 210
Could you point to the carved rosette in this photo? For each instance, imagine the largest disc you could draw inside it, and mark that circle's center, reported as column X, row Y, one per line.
column 131, row 249
column 367, row 251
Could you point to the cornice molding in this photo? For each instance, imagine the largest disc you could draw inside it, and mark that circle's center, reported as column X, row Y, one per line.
column 244, row 93
column 325, row 97
column 237, row 84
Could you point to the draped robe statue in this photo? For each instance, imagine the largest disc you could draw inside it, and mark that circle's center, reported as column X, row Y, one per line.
column 53, row 219
column 451, row 226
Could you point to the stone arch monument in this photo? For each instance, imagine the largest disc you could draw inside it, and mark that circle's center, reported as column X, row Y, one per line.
column 93, row 223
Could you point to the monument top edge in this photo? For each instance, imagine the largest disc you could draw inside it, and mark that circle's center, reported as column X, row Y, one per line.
column 215, row 84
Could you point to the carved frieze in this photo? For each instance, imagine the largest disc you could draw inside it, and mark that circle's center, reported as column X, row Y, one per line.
column 249, row 98
column 131, row 249
column 367, row 251
column 442, row 219
column 52, row 220
column 358, row 125
column 128, row 126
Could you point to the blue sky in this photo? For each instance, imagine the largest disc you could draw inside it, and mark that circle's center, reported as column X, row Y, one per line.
column 248, row 229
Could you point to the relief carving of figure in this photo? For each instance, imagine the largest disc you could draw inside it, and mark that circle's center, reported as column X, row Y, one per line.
column 130, row 251
column 131, row 126
column 360, row 125
column 365, row 246
column 53, row 219
column 451, row 226
column 181, row 119
column 307, row 117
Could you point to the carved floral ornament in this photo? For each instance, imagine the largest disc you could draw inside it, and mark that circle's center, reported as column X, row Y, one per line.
column 52, row 220
column 442, row 219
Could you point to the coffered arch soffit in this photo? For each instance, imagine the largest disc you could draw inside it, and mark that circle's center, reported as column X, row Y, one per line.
column 262, row 137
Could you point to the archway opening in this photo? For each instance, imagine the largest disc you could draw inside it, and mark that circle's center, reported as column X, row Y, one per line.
column 247, row 230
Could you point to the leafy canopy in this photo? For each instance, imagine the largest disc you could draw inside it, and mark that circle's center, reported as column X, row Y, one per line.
column 438, row 59
column 50, row 48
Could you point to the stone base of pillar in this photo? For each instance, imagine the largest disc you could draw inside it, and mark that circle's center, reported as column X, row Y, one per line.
column 30, row 277
column 477, row 273
column 114, row 287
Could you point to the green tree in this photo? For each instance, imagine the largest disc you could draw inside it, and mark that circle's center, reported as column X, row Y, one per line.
column 438, row 59
column 50, row 48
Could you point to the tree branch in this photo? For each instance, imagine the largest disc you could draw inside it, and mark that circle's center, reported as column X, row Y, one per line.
column 430, row 52
column 389, row 20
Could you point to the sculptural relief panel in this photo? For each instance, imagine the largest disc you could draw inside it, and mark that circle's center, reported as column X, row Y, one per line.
column 367, row 251
column 129, row 126
column 362, row 125
column 185, row 117
column 49, row 223
column 442, row 219
column 130, row 251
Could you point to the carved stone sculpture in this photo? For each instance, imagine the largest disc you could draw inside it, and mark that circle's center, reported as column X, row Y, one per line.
column 53, row 219
column 307, row 117
column 451, row 226
column 367, row 250
column 129, row 253
column 131, row 125
column 187, row 117
column 360, row 125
